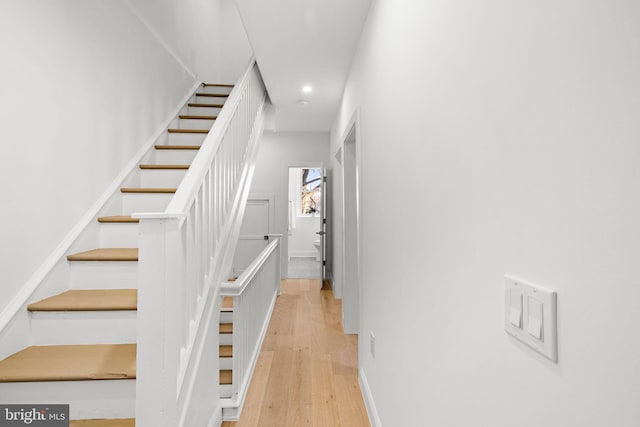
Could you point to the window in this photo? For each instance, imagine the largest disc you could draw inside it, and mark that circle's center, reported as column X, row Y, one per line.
column 311, row 193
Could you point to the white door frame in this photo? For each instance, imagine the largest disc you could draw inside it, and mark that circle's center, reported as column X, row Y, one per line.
column 306, row 165
column 270, row 198
column 272, row 208
column 351, row 279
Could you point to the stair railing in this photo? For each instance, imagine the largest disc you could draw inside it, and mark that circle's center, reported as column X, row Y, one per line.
column 254, row 295
column 185, row 253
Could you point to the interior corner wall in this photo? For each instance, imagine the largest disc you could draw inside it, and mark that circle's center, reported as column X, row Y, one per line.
column 279, row 151
column 498, row 137
column 84, row 85
column 236, row 49
column 190, row 29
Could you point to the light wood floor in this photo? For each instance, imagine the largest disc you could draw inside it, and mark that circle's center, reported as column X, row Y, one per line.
column 306, row 374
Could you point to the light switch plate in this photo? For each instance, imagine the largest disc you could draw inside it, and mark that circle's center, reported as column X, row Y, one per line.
column 539, row 316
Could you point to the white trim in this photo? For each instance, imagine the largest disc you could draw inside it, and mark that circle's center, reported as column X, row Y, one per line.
column 160, row 40
column 185, row 363
column 352, row 126
column 303, row 254
column 229, row 403
column 330, row 279
column 271, row 198
column 190, row 185
column 236, row 288
column 22, row 297
column 369, row 403
column 194, row 358
column 216, row 419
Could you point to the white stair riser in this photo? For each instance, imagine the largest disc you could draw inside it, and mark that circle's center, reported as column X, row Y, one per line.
column 195, row 124
column 211, row 99
column 226, row 317
column 161, row 177
column 145, row 202
column 87, row 399
column 226, row 339
column 118, row 235
column 186, row 138
column 173, row 157
column 231, row 413
column 83, row 327
column 204, row 111
column 215, row 89
column 226, row 363
column 226, row 390
column 104, row 275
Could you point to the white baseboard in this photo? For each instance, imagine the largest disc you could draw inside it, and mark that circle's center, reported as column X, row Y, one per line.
column 329, row 277
column 374, row 419
column 302, row 254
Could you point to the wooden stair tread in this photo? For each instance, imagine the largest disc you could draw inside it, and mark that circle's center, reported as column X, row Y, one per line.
column 118, row 219
column 147, row 190
column 164, row 166
column 115, row 422
column 226, row 351
column 226, row 376
column 70, row 363
column 227, row 303
column 177, row 147
column 188, row 130
column 213, row 95
column 89, row 300
column 226, row 328
column 201, row 105
column 106, row 254
column 192, row 117
column 217, row 85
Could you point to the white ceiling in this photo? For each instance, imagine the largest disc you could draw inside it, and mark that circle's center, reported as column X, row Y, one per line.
column 304, row 42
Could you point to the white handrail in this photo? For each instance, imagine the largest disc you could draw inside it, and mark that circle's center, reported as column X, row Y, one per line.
column 254, row 295
column 183, row 259
column 236, row 288
column 188, row 188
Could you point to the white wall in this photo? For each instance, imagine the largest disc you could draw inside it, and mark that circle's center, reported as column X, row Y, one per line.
column 279, row 151
column 84, row 85
column 190, row 29
column 236, row 49
column 498, row 137
column 302, row 237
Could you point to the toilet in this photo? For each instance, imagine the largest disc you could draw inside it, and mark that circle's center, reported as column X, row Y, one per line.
column 316, row 244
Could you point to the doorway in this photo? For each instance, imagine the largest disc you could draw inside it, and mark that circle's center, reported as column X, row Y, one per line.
column 256, row 231
column 305, row 213
column 350, row 249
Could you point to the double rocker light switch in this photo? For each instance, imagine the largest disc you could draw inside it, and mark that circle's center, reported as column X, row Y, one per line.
column 530, row 316
column 515, row 308
column 534, row 324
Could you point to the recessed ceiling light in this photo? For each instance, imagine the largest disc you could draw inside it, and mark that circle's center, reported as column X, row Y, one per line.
column 307, row 89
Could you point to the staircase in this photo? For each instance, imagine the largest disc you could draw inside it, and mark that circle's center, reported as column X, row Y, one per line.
column 83, row 339
column 226, row 347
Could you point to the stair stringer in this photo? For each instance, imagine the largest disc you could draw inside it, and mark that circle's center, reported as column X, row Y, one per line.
column 55, row 274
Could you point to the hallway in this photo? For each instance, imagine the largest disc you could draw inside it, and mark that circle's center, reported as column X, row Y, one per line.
column 307, row 372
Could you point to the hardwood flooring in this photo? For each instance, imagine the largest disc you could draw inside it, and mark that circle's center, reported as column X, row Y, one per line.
column 307, row 371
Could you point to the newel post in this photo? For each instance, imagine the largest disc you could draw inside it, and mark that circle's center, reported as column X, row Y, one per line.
column 158, row 333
